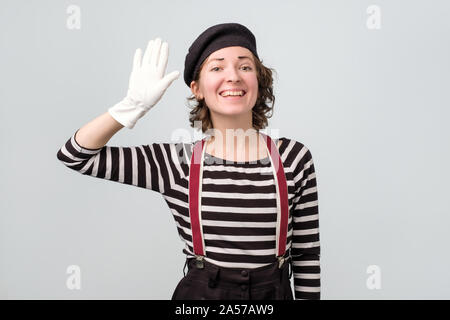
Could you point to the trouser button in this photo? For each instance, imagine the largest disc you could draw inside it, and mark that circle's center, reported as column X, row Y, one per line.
column 244, row 273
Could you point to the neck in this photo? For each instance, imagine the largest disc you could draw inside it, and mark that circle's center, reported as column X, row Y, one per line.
column 235, row 139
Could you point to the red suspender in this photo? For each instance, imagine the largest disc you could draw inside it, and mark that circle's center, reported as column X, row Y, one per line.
column 195, row 177
column 282, row 193
column 194, row 205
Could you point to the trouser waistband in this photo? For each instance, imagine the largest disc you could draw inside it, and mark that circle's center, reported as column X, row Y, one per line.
column 261, row 275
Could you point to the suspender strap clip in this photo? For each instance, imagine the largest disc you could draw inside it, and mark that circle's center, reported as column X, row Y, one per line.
column 281, row 260
column 199, row 262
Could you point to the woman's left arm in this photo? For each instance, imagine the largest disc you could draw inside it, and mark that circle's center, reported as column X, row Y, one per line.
column 305, row 239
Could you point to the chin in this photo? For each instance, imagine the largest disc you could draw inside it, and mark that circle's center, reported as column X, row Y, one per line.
column 233, row 110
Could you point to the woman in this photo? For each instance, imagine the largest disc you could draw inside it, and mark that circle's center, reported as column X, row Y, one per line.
column 246, row 211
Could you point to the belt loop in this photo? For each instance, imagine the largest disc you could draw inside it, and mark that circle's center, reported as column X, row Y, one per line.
column 213, row 272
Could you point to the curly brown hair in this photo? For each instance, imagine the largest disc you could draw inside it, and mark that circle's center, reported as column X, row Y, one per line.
column 260, row 111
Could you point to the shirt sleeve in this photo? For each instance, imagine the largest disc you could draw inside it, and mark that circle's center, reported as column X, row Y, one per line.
column 305, row 242
column 155, row 166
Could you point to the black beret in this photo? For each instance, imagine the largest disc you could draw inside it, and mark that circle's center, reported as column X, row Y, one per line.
column 214, row 38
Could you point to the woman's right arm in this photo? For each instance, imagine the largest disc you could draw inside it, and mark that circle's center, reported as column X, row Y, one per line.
column 98, row 132
column 153, row 166
column 158, row 166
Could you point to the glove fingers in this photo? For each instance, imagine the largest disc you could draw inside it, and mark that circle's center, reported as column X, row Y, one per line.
column 137, row 59
column 148, row 52
column 155, row 52
column 161, row 68
column 168, row 79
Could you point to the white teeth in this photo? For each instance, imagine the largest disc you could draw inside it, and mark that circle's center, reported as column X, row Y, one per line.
column 232, row 93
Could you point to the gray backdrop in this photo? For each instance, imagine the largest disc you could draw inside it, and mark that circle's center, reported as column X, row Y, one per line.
column 369, row 102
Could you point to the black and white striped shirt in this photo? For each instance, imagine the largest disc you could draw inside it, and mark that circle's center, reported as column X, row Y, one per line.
column 238, row 204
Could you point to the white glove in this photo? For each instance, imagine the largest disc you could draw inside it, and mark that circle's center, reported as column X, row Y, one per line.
column 147, row 84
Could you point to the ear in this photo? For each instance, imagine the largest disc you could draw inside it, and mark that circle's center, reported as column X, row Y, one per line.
column 195, row 90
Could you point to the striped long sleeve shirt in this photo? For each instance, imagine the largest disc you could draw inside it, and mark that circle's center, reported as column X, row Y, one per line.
column 238, row 204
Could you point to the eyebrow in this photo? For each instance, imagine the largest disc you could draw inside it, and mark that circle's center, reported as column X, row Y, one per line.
column 221, row 59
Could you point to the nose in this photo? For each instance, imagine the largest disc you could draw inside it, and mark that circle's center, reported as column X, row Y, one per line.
column 232, row 75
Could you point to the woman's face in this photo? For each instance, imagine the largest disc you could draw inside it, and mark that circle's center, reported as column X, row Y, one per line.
column 227, row 69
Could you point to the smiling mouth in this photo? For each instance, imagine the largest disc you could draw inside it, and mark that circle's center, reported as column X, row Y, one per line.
column 233, row 97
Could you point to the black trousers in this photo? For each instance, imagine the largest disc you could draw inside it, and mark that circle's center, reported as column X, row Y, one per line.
column 219, row 283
